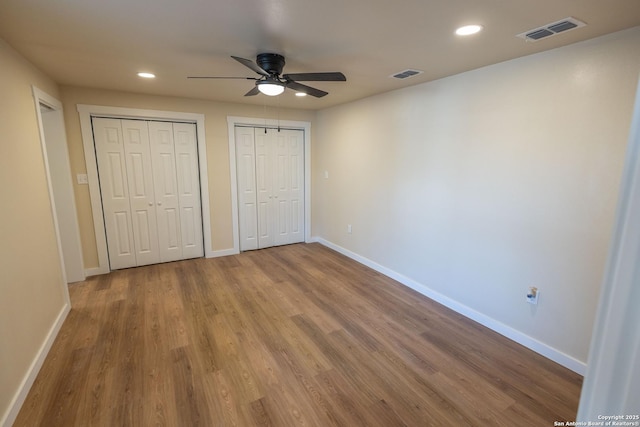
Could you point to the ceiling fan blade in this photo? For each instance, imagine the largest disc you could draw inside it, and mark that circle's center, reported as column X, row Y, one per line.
column 253, row 92
column 316, row 77
column 306, row 89
column 250, row 64
column 216, row 77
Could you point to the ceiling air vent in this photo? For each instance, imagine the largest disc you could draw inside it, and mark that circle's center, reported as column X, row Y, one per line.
column 406, row 74
column 551, row 29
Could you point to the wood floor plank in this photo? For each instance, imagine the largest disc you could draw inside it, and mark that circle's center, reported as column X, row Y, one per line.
column 287, row 336
column 259, row 414
column 62, row 408
column 353, row 410
column 158, row 410
column 188, row 393
column 386, row 415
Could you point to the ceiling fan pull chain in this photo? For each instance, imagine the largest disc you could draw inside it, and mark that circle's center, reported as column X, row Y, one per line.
column 264, row 104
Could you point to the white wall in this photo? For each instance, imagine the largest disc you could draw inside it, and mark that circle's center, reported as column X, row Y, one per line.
column 33, row 298
column 476, row 186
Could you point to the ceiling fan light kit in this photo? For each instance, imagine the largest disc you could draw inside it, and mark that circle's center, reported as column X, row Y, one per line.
column 272, row 82
column 270, row 88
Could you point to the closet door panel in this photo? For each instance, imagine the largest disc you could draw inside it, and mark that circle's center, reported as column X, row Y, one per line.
column 141, row 190
column 264, row 186
column 289, row 187
column 150, row 188
column 114, row 190
column 122, row 240
column 246, row 178
column 295, row 141
column 282, row 199
column 188, row 180
column 166, row 192
column 272, row 200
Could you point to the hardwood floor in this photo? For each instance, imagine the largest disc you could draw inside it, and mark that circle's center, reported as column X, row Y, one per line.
column 295, row 335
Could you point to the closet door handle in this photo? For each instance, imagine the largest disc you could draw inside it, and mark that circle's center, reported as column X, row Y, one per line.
column 159, row 203
column 150, row 203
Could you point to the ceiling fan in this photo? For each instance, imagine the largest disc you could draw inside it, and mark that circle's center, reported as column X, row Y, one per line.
column 272, row 82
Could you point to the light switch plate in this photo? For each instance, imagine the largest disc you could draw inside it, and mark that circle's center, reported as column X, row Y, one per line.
column 82, row 178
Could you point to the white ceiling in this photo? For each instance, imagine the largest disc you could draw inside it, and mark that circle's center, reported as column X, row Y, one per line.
column 103, row 43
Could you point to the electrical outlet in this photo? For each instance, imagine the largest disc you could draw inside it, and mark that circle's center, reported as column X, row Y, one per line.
column 349, row 229
column 533, row 295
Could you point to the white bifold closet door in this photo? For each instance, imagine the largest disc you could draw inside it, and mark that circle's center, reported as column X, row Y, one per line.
column 270, row 172
column 150, row 189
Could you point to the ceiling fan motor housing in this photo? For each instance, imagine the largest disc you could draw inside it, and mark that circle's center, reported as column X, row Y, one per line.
column 272, row 63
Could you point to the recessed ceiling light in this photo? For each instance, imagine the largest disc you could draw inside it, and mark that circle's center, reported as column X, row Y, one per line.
column 468, row 30
column 301, row 94
column 147, row 75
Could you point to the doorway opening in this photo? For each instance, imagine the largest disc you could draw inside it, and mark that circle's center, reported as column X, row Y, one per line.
column 150, row 188
column 301, row 131
column 86, row 113
column 56, row 158
column 270, row 169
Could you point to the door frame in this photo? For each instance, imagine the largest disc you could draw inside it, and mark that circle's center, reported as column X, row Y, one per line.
column 86, row 112
column 68, row 210
column 232, row 122
column 613, row 376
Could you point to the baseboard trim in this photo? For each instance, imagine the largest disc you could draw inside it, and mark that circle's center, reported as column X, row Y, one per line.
column 531, row 343
column 209, row 254
column 96, row 271
column 222, row 252
column 18, row 399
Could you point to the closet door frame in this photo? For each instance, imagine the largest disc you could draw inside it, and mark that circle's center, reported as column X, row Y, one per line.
column 86, row 112
column 232, row 122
